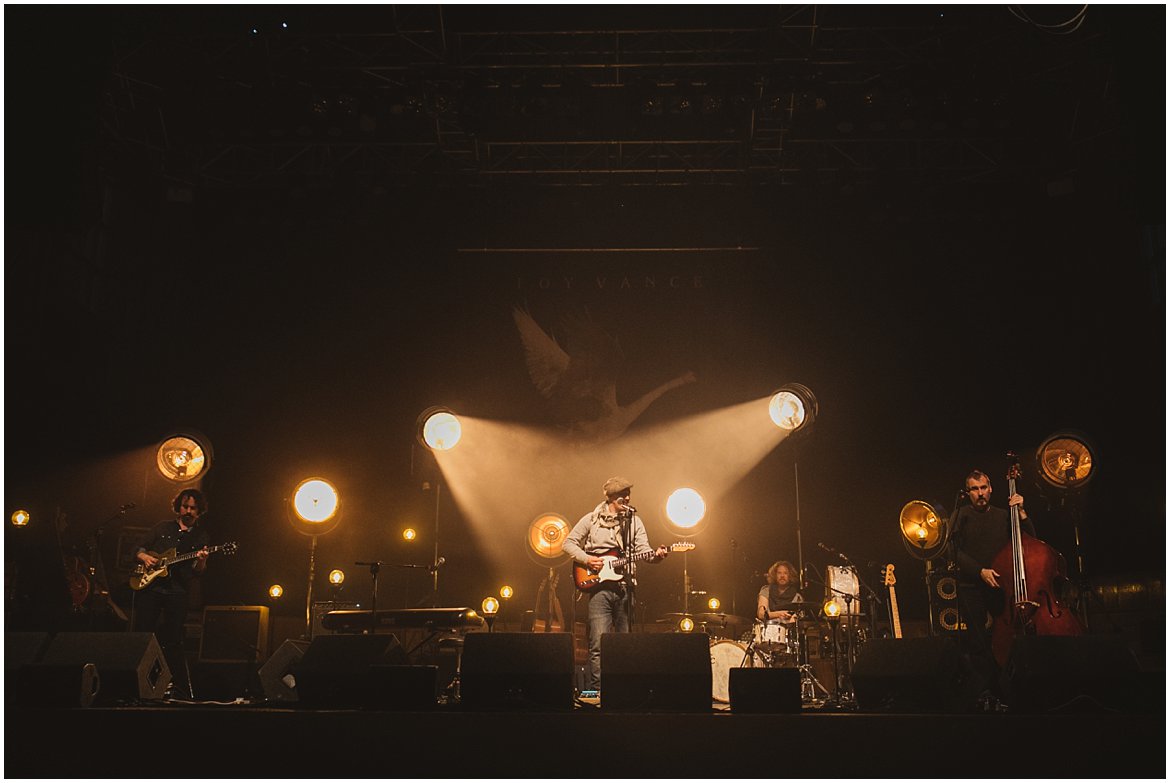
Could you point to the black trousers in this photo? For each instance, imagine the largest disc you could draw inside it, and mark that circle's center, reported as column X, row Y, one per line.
column 164, row 614
column 977, row 605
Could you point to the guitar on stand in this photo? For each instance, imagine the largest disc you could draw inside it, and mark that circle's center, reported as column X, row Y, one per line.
column 553, row 620
column 889, row 581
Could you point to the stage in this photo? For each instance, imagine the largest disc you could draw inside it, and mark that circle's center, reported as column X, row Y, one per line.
column 198, row 741
column 509, row 705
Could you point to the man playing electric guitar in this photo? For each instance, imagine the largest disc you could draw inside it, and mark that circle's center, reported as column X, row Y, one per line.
column 612, row 527
column 161, row 606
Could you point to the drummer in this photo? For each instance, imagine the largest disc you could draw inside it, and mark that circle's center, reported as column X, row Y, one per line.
column 782, row 589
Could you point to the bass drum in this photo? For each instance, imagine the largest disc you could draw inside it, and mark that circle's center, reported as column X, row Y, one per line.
column 725, row 656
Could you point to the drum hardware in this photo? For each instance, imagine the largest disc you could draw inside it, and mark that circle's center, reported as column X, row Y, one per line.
column 809, row 684
column 727, row 655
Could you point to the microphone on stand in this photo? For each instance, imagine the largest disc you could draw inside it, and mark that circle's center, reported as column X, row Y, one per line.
column 438, row 563
column 832, row 551
column 127, row 506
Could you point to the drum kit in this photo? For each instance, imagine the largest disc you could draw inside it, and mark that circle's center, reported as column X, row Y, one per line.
column 808, row 643
column 766, row 645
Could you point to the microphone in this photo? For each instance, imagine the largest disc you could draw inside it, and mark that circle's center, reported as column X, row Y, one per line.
column 127, row 506
column 630, row 509
column 437, row 565
column 832, row 551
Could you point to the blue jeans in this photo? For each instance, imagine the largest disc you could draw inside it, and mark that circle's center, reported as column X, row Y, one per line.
column 607, row 614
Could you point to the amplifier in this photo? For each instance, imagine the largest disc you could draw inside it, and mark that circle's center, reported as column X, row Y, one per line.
column 234, row 634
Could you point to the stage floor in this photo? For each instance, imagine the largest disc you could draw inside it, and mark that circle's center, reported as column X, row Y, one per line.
column 196, row 740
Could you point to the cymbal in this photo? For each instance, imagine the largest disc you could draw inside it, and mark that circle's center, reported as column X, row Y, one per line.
column 711, row 618
column 797, row 606
column 723, row 619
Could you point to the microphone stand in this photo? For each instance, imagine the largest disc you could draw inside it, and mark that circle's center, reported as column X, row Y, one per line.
column 872, row 597
column 837, row 699
column 375, row 566
column 631, row 566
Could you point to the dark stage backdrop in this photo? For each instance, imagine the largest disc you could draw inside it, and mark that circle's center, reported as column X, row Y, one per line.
column 304, row 336
column 304, row 328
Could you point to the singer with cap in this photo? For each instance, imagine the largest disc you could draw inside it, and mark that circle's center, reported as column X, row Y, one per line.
column 612, row 529
column 161, row 606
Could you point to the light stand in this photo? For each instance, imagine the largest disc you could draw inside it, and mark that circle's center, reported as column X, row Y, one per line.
column 309, row 591
column 793, row 407
column 1066, row 461
column 438, row 429
column 834, row 622
column 799, row 542
column 315, row 506
column 435, row 561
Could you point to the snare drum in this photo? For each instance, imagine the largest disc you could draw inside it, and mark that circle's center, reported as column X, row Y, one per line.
column 727, row 655
column 771, row 637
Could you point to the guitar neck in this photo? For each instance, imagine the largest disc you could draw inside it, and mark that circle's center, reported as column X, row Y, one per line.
column 621, row 561
column 189, row 555
column 894, row 610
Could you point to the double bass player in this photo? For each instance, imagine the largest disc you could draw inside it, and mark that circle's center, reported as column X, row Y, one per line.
column 982, row 531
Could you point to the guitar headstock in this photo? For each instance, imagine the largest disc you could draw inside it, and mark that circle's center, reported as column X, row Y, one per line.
column 682, row 546
column 1013, row 466
column 229, row 548
column 888, row 575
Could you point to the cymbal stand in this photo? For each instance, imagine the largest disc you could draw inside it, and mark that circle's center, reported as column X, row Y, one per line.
column 808, row 681
column 845, row 695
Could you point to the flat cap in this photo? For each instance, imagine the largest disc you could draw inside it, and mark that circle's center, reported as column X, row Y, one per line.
column 616, row 485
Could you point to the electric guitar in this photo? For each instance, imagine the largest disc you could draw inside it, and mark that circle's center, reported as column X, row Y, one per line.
column 889, row 582
column 610, row 570
column 143, row 574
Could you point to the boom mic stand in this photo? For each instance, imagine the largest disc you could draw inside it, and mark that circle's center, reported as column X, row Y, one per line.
column 840, row 697
column 375, row 566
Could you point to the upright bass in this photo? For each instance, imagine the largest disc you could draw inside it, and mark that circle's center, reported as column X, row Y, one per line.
column 1031, row 608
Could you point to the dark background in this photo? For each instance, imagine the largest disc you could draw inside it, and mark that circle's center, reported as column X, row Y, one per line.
column 946, row 221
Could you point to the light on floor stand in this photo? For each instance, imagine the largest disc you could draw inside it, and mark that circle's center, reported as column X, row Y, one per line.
column 313, row 511
column 833, row 615
column 793, row 407
column 438, row 429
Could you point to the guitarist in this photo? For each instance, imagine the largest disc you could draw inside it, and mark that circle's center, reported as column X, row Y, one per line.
column 161, row 606
column 612, row 528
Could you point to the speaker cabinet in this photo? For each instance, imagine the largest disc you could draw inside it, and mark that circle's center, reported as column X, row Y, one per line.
column 131, row 665
column 234, row 634
column 945, row 619
column 24, row 647
column 656, row 672
column 398, row 687
column 508, row 671
column 909, row 675
column 335, row 670
column 764, row 690
column 276, row 675
column 1078, row 674
column 54, row 685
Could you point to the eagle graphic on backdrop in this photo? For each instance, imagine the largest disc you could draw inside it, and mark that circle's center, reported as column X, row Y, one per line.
column 580, row 380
